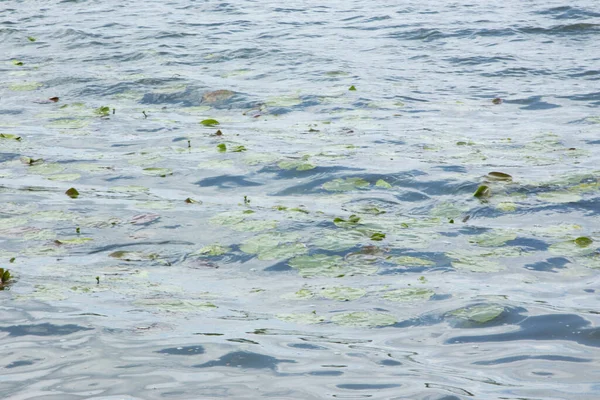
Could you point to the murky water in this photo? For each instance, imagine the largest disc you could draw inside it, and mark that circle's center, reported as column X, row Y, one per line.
column 317, row 236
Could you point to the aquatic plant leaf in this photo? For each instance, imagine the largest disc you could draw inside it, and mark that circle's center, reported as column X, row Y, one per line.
column 217, row 96
column 571, row 248
column 25, row 86
column 64, row 177
column 4, row 275
column 410, row 261
column 352, row 88
column 209, row 122
column 72, row 193
column 482, row 191
column 383, row 184
column 378, row 236
column 338, row 240
column 302, row 294
column 302, row 319
column 177, row 305
column 212, row 250
column 222, row 147
column 297, row 165
column 31, row 38
column 343, row 185
column 479, row 314
column 583, row 241
column 493, row 239
column 102, row 111
column 364, row 319
column 238, row 149
column 73, row 241
column 342, row 293
column 45, row 168
column 133, row 255
column 409, row 294
column 9, row 136
column 162, row 172
column 254, row 225
column 560, row 197
column 318, row 265
column 499, row 176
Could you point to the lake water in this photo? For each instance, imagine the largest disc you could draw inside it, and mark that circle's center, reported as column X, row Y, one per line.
column 276, row 200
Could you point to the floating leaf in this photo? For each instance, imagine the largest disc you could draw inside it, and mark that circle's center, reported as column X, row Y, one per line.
column 303, row 319
column 378, row 236
column 209, row 122
column 142, row 219
column 72, row 193
column 102, row 111
column 238, row 149
column 54, row 99
column 477, row 264
column 297, row 165
column 479, row 314
column 9, row 136
column 189, row 200
column 25, row 86
column 493, row 239
column 583, row 241
column 559, row 196
column 31, row 38
column 4, row 276
column 410, row 261
column 499, row 176
column 318, row 265
column 133, row 255
column 352, row 88
column 409, row 294
column 342, row 293
column 342, row 185
column 482, row 191
column 73, row 241
column 338, row 240
column 17, row 62
column 162, row 172
column 222, row 147
column 497, row 101
column 217, row 96
column 364, row 319
column 383, row 184
column 212, row 250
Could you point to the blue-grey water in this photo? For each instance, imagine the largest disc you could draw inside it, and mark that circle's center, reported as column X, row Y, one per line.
column 323, row 240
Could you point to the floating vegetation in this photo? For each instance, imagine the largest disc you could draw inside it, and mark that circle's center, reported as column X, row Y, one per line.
column 10, row 137
column 209, row 122
column 342, row 293
column 72, row 193
column 482, row 191
column 409, row 294
column 212, row 250
column 5, row 278
column 344, row 185
column 364, row 319
column 476, row 315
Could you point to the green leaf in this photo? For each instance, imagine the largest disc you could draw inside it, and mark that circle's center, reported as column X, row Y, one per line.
column 409, row 294
column 383, row 184
column 17, row 62
column 303, row 319
column 583, row 241
column 352, row 88
column 102, row 111
column 73, row 241
column 482, row 191
column 162, row 172
column 364, row 319
column 133, row 255
column 5, row 276
column 72, row 193
column 343, row 185
column 31, row 38
column 212, row 250
column 477, row 315
column 499, row 176
column 342, row 293
column 9, row 136
column 222, row 147
column 238, row 149
column 378, row 236
column 209, row 122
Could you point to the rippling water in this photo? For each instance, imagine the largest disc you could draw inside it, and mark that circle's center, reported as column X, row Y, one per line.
column 321, row 241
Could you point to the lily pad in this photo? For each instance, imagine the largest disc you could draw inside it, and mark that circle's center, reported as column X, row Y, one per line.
column 162, row 172
column 72, row 193
column 409, row 294
column 383, row 184
column 342, row 293
column 499, row 176
column 10, row 137
column 410, row 261
column 133, row 255
column 303, row 319
column 482, row 191
column 25, row 86
column 344, row 185
column 212, row 250
column 479, row 314
column 318, row 265
column 297, row 165
column 209, row 122
column 364, row 319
